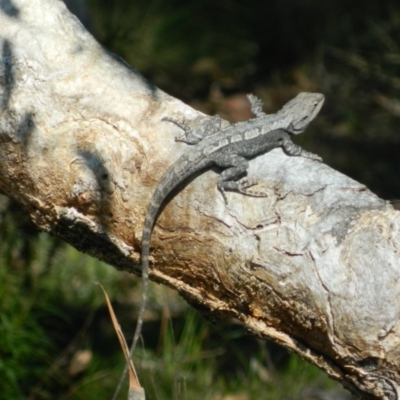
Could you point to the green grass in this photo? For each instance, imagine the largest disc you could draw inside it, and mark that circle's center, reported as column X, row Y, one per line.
column 61, row 312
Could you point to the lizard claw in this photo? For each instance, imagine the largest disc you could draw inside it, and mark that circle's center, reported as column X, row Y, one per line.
column 222, row 190
column 311, row 156
column 245, row 183
column 224, row 197
column 180, row 139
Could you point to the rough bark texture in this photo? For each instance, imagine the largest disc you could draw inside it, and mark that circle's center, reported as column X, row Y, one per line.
column 314, row 266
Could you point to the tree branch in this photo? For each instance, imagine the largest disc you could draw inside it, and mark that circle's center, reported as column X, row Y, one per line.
column 313, row 266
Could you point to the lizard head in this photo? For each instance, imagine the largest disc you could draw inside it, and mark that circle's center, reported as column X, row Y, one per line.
column 301, row 110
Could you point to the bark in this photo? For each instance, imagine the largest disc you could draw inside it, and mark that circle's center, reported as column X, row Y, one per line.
column 313, row 266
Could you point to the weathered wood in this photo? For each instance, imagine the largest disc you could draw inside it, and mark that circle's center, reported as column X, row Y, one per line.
column 314, row 266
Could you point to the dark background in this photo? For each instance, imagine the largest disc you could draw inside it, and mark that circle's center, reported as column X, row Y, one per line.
column 209, row 54
column 205, row 52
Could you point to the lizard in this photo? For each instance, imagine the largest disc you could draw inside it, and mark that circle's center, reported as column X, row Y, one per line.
column 228, row 148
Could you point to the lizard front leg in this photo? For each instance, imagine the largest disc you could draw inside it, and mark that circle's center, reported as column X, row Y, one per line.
column 256, row 106
column 293, row 149
column 236, row 166
column 228, row 180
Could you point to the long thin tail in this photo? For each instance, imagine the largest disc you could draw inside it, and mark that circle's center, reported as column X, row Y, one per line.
column 146, row 235
column 170, row 180
column 145, row 279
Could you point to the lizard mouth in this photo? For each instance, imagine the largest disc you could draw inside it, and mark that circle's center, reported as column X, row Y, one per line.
column 296, row 129
column 301, row 124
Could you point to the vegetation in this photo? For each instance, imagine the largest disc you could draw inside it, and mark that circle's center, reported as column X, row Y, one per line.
column 56, row 339
column 50, row 318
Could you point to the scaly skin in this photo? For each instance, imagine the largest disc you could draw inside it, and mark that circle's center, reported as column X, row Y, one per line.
column 228, row 148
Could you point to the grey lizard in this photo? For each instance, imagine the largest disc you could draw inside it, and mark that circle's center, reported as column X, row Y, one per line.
column 228, row 148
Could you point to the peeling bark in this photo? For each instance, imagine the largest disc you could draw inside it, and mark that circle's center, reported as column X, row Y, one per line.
column 313, row 266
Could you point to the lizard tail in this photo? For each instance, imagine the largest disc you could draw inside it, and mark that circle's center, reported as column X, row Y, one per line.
column 146, row 235
column 145, row 279
column 170, row 181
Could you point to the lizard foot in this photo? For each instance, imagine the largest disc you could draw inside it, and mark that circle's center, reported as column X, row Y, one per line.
column 311, row 156
column 244, row 185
